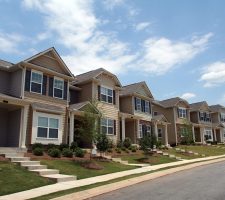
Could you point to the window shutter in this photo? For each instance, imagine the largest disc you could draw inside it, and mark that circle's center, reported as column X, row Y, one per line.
column 44, row 84
column 144, row 130
column 50, row 89
column 27, row 80
column 65, row 90
column 99, row 92
column 178, row 114
column 114, row 97
column 150, row 108
column 143, row 105
column 114, row 127
column 135, row 103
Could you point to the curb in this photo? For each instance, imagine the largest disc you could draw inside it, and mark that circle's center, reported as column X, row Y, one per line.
column 125, row 183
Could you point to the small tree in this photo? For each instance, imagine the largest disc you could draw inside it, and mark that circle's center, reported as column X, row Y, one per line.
column 187, row 135
column 102, row 143
column 147, row 143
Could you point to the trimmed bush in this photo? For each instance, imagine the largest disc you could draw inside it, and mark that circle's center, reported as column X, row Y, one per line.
column 38, row 151
column 67, row 153
column 123, row 148
column 133, row 149
column 73, row 146
column 63, row 146
column 127, row 142
column 37, row 145
column 52, row 146
column 118, row 150
column 55, row 153
column 119, row 144
column 109, row 150
column 127, row 151
column 79, row 152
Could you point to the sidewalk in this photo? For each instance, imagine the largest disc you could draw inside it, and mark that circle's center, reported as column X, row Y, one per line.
column 36, row 192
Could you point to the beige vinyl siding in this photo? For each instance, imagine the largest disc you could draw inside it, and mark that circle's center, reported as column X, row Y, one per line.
column 16, row 83
column 4, row 82
column 49, row 63
column 215, row 117
column 194, row 117
column 182, row 120
column 126, row 104
column 86, row 92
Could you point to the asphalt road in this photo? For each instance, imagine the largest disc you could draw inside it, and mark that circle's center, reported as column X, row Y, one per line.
column 201, row 183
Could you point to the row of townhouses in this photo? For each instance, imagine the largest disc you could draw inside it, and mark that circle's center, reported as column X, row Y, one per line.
column 41, row 101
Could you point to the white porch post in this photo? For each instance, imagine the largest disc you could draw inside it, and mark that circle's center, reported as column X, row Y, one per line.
column 71, row 127
column 166, row 136
column 202, row 135
column 221, row 135
column 214, row 132
column 23, row 126
column 123, row 129
column 156, row 130
column 137, row 128
column 193, row 132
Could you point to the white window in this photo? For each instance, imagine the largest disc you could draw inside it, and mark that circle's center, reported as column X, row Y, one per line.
column 138, row 104
column 47, row 127
column 106, row 95
column 182, row 112
column 201, row 116
column 58, row 87
column 159, row 133
column 140, row 131
column 208, row 135
column 208, row 117
column 36, row 82
column 222, row 117
column 107, row 126
column 147, row 109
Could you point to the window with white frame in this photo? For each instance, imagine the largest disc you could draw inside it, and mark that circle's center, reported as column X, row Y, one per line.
column 36, row 82
column 47, row 127
column 147, row 109
column 201, row 116
column 159, row 133
column 138, row 104
column 140, row 131
column 182, row 112
column 58, row 87
column 222, row 117
column 208, row 135
column 208, row 117
column 106, row 95
column 107, row 126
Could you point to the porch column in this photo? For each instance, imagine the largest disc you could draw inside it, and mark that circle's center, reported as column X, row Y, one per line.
column 193, row 132
column 221, row 135
column 137, row 128
column 201, row 135
column 156, row 130
column 166, row 136
column 214, row 132
column 23, row 126
column 71, row 128
column 123, row 129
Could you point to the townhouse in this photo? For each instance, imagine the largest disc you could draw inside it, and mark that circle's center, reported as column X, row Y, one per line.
column 136, row 114
column 34, row 100
column 177, row 112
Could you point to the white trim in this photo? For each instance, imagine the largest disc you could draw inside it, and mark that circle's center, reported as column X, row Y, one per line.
column 107, row 126
column 182, row 116
column 208, row 131
column 107, row 88
column 59, row 79
column 37, row 72
column 35, row 139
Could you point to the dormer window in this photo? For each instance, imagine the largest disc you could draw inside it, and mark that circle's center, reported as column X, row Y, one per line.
column 182, row 112
column 58, row 87
column 106, row 95
column 36, row 82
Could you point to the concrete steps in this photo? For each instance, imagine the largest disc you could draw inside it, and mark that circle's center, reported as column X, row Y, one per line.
column 24, row 163
column 34, row 167
column 60, row 177
column 13, row 159
column 42, row 172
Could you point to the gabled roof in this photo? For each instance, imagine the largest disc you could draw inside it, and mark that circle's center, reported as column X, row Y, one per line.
column 198, row 105
column 5, row 64
column 159, row 117
column 167, row 103
column 216, row 108
column 55, row 53
column 135, row 88
column 81, row 107
column 89, row 76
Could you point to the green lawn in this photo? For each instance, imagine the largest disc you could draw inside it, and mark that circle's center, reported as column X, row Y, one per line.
column 203, row 149
column 74, row 168
column 152, row 160
column 14, row 178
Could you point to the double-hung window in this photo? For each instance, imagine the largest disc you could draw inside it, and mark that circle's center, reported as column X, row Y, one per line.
column 36, row 82
column 138, row 104
column 58, row 87
column 47, row 127
column 201, row 116
column 147, row 109
column 208, row 134
column 208, row 117
column 107, row 126
column 106, row 95
column 182, row 112
column 222, row 117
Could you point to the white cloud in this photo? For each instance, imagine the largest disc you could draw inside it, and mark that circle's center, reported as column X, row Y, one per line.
column 188, row 95
column 111, row 4
column 9, row 42
column 213, row 74
column 162, row 54
column 142, row 26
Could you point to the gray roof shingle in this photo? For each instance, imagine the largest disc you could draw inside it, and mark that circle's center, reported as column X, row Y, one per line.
column 197, row 105
column 5, row 64
column 216, row 108
column 171, row 102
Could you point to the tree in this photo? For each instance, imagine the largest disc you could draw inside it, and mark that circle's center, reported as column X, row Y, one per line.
column 147, row 143
column 187, row 133
column 102, row 142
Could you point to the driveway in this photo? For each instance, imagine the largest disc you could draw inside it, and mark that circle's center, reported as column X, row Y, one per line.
column 206, row 182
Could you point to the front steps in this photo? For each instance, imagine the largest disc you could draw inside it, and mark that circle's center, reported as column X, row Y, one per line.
column 17, row 156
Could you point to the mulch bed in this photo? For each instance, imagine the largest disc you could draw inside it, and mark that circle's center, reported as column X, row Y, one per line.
column 2, row 158
column 91, row 165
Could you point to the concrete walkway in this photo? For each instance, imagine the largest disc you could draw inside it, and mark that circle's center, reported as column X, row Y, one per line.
column 36, row 192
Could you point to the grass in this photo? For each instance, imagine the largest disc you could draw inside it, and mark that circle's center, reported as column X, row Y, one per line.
column 152, row 160
column 73, row 168
column 15, row 179
column 203, row 149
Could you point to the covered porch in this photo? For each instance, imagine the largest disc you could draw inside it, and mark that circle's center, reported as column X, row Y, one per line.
column 218, row 132
column 13, row 118
column 202, row 134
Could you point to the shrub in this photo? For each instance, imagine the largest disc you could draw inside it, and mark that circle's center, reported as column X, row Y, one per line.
column 119, row 144
column 67, row 153
column 109, row 150
column 147, row 143
column 123, row 148
column 133, row 149
column 102, row 142
column 127, row 142
column 38, row 151
column 79, row 152
column 118, row 150
column 73, row 146
column 52, row 146
column 63, row 146
column 127, row 151
column 37, row 145
column 55, row 153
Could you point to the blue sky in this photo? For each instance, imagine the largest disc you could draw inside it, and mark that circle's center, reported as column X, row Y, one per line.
column 176, row 46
